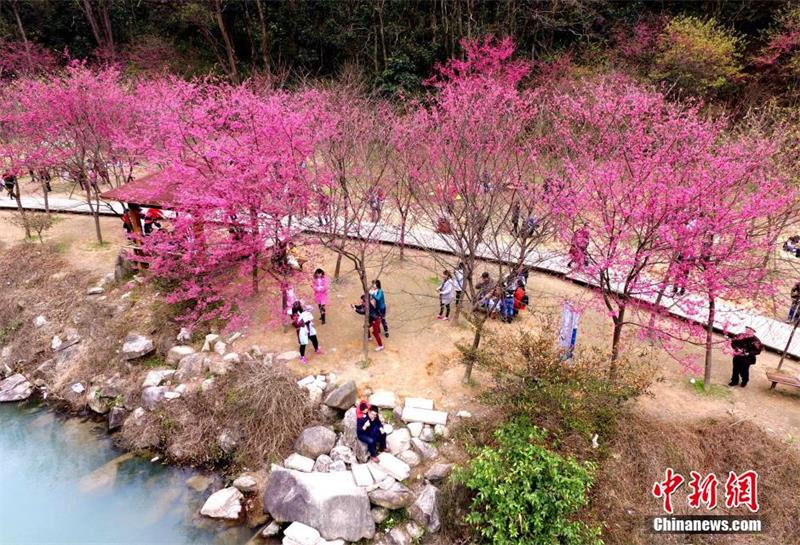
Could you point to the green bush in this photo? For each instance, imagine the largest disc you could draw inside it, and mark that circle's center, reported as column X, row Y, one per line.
column 525, row 493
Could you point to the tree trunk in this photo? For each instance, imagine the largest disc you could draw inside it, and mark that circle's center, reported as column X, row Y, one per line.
column 255, row 272
column 229, row 51
column 21, row 210
column 46, row 197
column 403, row 218
column 95, row 213
column 338, row 268
column 476, row 342
column 785, row 350
column 88, row 11
column 264, row 37
column 709, row 343
column 22, row 34
column 362, row 275
column 619, row 322
column 651, row 325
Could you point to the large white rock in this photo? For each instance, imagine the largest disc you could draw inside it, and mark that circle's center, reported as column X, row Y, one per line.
column 314, row 441
column 299, row 534
column 232, row 357
column 223, row 504
column 136, row 346
column 220, row 348
column 394, row 466
column 211, row 338
column 425, row 510
column 342, row 397
column 177, row 353
column 415, row 428
column 425, row 450
column 426, row 416
column 419, row 403
column 299, row 462
column 15, row 388
column 397, row 496
column 245, row 483
column 383, row 399
column 156, row 377
column 398, row 441
column 152, row 395
column 39, row 321
column 361, row 475
column 410, row 457
column 330, row 502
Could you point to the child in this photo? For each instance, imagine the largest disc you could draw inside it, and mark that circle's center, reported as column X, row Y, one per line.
column 520, row 299
column 320, row 286
column 458, row 281
column 446, row 289
column 507, row 308
column 374, row 319
column 380, row 304
column 303, row 322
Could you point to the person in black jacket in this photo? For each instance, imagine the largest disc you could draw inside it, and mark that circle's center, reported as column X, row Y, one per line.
column 746, row 346
column 374, row 318
column 369, row 429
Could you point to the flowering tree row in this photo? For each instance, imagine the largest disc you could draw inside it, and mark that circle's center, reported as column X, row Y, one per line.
column 649, row 197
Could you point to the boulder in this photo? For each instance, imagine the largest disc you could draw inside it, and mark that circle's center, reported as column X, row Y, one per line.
column 217, row 365
column 464, row 414
column 343, row 397
column 338, row 465
column 441, row 431
column 116, row 416
column 425, row 510
column 136, row 346
column 300, row 534
column 306, row 381
column 177, row 353
column 39, row 321
column 299, row 462
column 184, row 336
column 223, row 504
column 379, row 514
column 192, row 366
column 410, row 457
column 245, row 483
column 315, row 441
column 394, row 466
column 426, row 416
column 415, row 428
column 270, row 530
column 428, row 452
column 377, row 473
column 323, row 463
column 396, row 497
column 361, row 475
column 287, row 356
column 427, row 434
column 156, row 377
column 211, row 338
column 77, row 388
column 398, row 441
column 399, row 536
column 383, row 399
column 15, row 388
column 419, row 403
column 438, row 472
column 220, row 347
column 95, row 290
column 328, row 414
column 227, row 441
column 314, row 394
column 71, row 338
column 207, row 384
column 97, row 403
column 349, row 437
column 232, row 357
column 152, row 395
column 330, row 502
column 344, row 454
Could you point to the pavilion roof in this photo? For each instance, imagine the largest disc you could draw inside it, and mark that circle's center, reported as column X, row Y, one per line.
column 154, row 190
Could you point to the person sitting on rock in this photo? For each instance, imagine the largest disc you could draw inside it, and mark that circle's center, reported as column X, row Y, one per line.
column 369, row 429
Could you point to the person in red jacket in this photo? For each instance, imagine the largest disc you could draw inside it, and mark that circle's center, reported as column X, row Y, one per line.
column 152, row 219
column 520, row 299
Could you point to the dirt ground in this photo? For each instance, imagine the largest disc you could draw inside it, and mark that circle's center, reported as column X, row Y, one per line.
column 75, row 236
column 420, row 358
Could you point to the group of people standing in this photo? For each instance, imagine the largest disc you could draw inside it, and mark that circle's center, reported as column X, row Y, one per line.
column 302, row 319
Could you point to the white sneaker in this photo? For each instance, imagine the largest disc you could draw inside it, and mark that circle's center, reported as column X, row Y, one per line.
column 379, row 349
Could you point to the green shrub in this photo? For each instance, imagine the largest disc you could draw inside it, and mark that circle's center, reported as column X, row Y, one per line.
column 525, row 493
column 698, row 55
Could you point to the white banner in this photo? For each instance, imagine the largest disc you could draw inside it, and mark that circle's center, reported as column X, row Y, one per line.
column 570, row 317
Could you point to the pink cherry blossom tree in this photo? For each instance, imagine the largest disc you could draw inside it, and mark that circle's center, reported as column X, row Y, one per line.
column 234, row 157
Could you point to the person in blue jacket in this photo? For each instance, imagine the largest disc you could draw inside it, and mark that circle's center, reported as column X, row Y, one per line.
column 369, row 429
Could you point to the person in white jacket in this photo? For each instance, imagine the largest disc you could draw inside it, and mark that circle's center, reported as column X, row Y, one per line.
column 446, row 293
column 303, row 322
column 458, row 281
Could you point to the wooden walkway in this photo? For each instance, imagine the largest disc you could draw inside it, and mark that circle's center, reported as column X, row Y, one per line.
column 773, row 333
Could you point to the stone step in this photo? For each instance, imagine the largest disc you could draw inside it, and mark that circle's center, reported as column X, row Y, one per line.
column 426, row 416
column 362, row 474
column 419, row 403
column 394, row 466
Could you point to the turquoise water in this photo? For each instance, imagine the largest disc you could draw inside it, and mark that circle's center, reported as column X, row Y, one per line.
column 61, row 481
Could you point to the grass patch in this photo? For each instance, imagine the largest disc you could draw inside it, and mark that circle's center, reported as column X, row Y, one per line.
column 715, row 390
column 395, row 518
column 363, row 364
column 154, row 362
column 435, row 280
column 98, row 246
column 60, row 247
column 7, row 330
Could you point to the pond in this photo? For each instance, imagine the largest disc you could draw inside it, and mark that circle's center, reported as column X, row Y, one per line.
column 61, row 481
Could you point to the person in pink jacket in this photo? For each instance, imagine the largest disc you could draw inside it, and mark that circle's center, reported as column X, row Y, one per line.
column 320, row 286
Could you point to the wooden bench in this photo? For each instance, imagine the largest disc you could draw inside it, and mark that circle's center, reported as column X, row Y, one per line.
column 779, row 378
